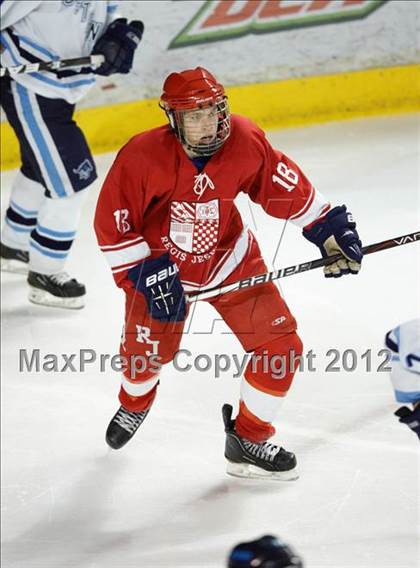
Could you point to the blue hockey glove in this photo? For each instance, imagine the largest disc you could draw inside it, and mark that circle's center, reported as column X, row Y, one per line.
column 117, row 45
column 410, row 417
column 336, row 234
column 157, row 279
column 265, row 551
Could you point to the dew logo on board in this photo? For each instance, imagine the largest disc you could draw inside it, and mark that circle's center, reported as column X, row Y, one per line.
column 227, row 19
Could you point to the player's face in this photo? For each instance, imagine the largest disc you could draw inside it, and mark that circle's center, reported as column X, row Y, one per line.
column 200, row 126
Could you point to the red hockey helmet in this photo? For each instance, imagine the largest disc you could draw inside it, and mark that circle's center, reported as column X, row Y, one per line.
column 197, row 90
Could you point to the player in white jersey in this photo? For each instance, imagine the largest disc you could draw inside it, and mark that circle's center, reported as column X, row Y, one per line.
column 404, row 343
column 57, row 165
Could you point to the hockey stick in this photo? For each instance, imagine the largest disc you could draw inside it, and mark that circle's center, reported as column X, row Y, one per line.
column 59, row 64
column 298, row 268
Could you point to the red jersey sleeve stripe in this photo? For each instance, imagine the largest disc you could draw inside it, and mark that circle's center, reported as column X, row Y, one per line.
column 128, row 255
column 122, row 244
column 316, row 205
column 306, row 206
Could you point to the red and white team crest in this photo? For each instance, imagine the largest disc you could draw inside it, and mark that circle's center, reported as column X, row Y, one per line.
column 194, row 226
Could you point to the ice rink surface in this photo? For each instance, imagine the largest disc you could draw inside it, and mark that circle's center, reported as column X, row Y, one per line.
column 165, row 500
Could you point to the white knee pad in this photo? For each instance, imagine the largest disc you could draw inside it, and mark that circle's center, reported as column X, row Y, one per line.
column 62, row 214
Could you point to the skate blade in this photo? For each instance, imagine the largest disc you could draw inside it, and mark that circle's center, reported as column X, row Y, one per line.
column 250, row 471
column 14, row 266
column 43, row 298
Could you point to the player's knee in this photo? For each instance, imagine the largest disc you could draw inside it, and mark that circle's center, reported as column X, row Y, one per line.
column 74, row 199
column 68, row 207
column 140, row 367
column 274, row 364
column 288, row 345
column 293, row 343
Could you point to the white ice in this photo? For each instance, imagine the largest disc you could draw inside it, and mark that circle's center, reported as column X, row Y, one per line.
column 165, row 500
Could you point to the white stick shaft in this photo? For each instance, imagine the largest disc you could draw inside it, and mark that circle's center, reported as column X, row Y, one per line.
column 89, row 61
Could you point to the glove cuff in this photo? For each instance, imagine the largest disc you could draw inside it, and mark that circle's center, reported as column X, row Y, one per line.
column 321, row 230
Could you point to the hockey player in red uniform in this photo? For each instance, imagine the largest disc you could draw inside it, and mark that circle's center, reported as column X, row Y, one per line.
column 168, row 225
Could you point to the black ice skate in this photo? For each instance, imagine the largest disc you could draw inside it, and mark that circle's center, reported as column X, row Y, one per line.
column 123, row 427
column 56, row 290
column 252, row 460
column 14, row 260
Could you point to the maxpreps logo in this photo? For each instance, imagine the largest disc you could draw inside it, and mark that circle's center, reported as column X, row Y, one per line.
column 223, row 19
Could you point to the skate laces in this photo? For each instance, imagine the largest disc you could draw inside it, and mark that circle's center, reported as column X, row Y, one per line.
column 263, row 451
column 130, row 421
column 60, row 278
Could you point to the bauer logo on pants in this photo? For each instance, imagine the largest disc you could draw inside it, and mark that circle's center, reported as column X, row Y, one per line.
column 194, row 227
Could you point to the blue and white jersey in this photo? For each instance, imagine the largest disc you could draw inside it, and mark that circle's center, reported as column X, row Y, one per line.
column 404, row 343
column 42, row 30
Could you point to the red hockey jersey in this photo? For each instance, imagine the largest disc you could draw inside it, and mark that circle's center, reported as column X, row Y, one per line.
column 154, row 200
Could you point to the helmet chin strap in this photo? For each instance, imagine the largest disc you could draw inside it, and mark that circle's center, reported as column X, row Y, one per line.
column 173, row 124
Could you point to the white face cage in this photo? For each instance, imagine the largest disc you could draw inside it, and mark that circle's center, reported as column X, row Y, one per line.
column 203, row 147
